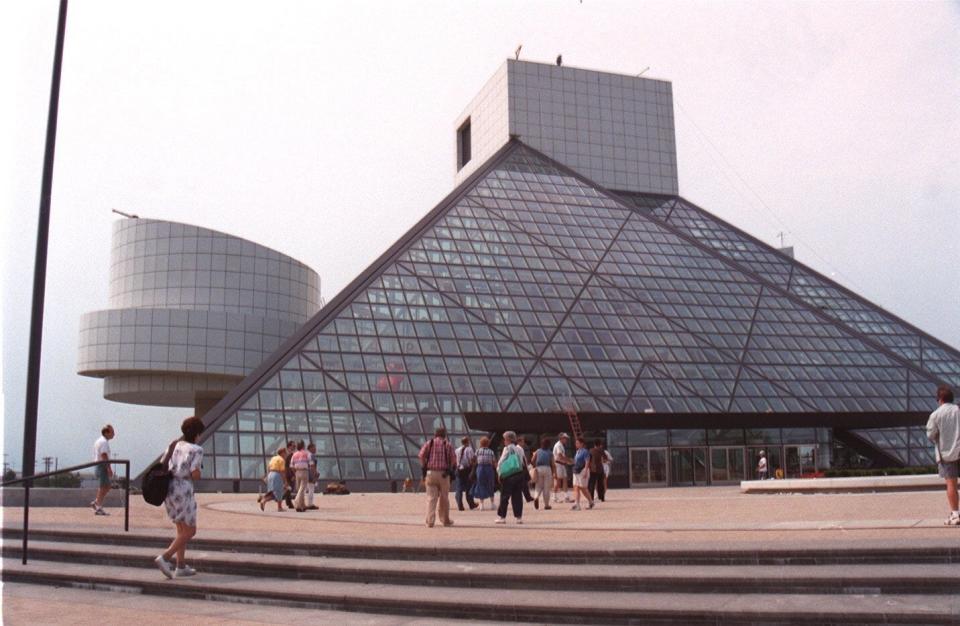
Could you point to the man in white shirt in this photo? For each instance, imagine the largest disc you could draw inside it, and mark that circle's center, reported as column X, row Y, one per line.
column 466, row 458
column 943, row 429
column 101, row 452
column 762, row 469
column 562, row 462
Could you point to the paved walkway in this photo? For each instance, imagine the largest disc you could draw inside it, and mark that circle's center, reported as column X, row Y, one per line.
column 680, row 517
column 33, row 604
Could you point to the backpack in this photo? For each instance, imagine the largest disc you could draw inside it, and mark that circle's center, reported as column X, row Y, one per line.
column 156, row 481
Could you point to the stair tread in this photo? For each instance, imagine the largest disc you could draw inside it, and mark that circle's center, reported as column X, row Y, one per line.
column 921, row 573
column 244, row 542
column 414, row 598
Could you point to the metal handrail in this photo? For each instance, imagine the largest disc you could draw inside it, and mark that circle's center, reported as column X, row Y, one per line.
column 27, row 480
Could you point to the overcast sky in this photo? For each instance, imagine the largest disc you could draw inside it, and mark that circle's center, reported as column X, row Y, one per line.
column 325, row 130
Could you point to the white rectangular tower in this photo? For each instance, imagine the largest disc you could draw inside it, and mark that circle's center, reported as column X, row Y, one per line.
column 614, row 129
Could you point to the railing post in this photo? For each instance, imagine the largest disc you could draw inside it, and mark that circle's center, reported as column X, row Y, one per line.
column 26, row 518
column 126, row 496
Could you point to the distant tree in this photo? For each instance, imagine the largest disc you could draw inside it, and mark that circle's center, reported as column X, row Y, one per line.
column 60, row 480
column 9, row 475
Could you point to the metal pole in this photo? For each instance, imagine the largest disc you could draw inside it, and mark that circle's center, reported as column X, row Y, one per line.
column 126, row 497
column 40, row 264
column 26, row 518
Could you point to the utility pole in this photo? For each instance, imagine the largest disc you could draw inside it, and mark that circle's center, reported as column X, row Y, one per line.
column 40, row 263
column 47, row 462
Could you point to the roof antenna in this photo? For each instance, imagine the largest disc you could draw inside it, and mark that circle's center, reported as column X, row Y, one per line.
column 131, row 216
column 559, row 60
column 516, row 53
column 643, row 71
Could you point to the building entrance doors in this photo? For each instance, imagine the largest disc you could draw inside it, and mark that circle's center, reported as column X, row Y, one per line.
column 801, row 461
column 688, row 466
column 648, row 467
column 726, row 465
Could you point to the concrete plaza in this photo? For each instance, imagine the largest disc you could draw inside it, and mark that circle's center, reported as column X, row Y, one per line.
column 688, row 516
column 682, row 519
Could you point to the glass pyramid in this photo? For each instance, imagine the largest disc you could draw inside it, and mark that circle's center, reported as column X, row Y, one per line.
column 530, row 289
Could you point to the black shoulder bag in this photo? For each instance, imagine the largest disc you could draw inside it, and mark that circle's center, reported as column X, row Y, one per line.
column 156, row 482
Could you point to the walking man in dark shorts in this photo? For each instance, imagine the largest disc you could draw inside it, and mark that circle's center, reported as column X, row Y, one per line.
column 943, row 429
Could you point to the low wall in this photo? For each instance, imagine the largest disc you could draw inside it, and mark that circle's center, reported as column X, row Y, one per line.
column 917, row 482
column 58, row 496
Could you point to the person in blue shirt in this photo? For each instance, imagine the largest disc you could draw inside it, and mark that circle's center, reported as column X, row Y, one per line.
column 581, row 475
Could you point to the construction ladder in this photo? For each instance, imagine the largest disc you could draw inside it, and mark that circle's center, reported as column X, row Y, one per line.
column 575, row 427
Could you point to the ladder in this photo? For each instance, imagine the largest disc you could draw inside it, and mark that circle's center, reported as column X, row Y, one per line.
column 575, row 427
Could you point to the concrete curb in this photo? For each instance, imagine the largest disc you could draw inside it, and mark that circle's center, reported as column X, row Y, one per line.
column 854, row 484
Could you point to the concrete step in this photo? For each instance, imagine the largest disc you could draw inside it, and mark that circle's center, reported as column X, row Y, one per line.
column 566, row 556
column 823, row 579
column 507, row 604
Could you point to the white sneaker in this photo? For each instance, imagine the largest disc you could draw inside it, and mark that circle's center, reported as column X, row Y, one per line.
column 953, row 520
column 183, row 572
column 93, row 505
column 575, row 507
column 100, row 512
column 519, row 521
column 501, row 520
column 164, row 566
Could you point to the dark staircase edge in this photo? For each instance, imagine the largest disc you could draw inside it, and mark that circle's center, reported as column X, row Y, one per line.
column 798, row 584
column 799, row 556
column 454, row 608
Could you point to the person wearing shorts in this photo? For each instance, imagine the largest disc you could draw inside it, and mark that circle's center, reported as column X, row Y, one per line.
column 943, row 429
column 561, row 460
column 101, row 452
column 581, row 475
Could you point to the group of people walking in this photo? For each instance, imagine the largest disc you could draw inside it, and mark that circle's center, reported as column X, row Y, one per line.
column 292, row 470
column 478, row 472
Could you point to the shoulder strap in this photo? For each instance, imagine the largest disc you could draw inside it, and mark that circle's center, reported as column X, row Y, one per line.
column 166, row 455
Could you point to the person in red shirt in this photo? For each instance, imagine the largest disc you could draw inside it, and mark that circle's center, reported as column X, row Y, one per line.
column 438, row 461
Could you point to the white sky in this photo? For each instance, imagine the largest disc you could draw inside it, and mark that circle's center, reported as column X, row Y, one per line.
column 325, row 130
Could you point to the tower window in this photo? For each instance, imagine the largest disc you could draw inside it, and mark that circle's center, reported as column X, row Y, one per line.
column 463, row 144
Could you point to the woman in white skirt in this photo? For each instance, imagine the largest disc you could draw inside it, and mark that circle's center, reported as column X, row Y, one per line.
column 184, row 464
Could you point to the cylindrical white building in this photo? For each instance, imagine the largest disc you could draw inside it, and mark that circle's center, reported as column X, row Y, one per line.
column 191, row 312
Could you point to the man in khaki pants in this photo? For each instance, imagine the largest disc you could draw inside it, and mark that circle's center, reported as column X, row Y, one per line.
column 437, row 459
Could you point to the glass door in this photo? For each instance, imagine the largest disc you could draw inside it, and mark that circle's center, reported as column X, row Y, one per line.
column 735, row 464
column 648, row 467
column 801, row 461
column 773, row 462
column 719, row 467
column 726, row 465
column 688, row 466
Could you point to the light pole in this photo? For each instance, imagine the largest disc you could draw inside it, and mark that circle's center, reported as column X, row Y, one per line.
column 40, row 263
